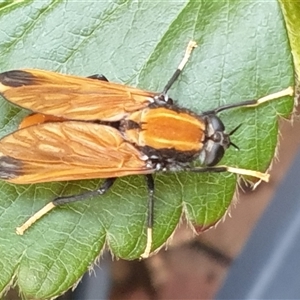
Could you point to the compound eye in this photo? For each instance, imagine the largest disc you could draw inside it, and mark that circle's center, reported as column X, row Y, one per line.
column 216, row 123
column 214, row 155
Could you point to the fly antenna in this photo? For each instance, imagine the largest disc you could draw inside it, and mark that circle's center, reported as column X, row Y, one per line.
column 235, row 146
column 231, row 133
column 234, row 130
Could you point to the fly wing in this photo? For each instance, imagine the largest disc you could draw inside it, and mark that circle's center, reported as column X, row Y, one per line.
column 69, row 150
column 71, row 97
column 37, row 118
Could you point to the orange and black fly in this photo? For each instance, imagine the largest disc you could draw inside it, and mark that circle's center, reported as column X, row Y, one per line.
column 83, row 128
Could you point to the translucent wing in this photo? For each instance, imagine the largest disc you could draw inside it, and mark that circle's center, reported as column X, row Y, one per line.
column 69, row 150
column 71, row 97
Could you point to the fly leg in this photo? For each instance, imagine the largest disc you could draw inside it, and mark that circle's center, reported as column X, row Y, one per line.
column 252, row 103
column 98, row 77
column 163, row 96
column 150, row 215
column 219, row 169
column 64, row 200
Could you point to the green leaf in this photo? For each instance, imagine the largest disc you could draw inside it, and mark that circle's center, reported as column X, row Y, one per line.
column 243, row 54
column 291, row 14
